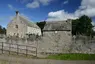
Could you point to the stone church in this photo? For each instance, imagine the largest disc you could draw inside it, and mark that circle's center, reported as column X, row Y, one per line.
column 21, row 27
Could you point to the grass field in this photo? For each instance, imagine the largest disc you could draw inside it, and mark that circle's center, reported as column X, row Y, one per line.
column 72, row 56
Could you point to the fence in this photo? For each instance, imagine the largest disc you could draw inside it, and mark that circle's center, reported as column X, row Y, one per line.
column 19, row 49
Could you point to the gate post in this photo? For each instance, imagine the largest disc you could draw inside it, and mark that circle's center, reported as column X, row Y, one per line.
column 26, row 50
column 17, row 49
column 9, row 48
column 2, row 47
column 36, row 52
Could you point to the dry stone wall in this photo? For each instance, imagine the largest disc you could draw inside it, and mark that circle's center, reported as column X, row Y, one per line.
column 57, row 42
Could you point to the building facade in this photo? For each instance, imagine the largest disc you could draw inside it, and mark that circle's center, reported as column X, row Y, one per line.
column 21, row 27
column 57, row 36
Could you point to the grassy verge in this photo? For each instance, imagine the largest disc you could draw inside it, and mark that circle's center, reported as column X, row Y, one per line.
column 76, row 56
column 71, row 56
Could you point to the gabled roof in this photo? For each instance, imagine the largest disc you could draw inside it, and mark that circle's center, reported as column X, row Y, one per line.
column 27, row 22
column 57, row 26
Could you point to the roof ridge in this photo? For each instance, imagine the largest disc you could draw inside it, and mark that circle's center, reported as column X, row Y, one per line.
column 28, row 22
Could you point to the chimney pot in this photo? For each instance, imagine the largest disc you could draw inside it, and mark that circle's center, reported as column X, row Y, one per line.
column 17, row 12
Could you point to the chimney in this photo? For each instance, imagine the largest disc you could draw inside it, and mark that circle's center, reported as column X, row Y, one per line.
column 17, row 12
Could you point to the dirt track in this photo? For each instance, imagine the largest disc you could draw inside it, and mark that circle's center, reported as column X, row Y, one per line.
column 5, row 59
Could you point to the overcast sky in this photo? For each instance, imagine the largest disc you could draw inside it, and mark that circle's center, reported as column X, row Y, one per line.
column 39, row 10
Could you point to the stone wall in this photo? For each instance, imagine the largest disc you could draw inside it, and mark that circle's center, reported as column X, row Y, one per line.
column 57, row 42
column 32, row 30
column 83, row 45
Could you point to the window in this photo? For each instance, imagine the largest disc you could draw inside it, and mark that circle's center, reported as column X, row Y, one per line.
column 16, row 26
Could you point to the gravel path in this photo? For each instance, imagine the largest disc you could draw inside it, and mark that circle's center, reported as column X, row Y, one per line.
column 5, row 59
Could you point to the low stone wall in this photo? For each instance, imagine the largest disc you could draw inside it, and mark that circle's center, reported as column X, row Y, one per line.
column 83, row 45
column 52, row 44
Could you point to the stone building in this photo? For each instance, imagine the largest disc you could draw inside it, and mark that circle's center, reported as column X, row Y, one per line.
column 59, row 26
column 57, row 37
column 20, row 27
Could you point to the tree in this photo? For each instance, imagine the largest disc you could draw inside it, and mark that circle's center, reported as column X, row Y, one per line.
column 82, row 26
column 74, row 26
column 85, row 25
column 2, row 30
column 41, row 25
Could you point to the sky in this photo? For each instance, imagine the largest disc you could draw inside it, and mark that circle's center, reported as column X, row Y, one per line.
column 40, row 10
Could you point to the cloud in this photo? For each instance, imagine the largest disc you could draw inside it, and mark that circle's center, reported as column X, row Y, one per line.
column 45, row 2
column 23, row 1
column 60, row 15
column 38, row 3
column 34, row 4
column 65, row 2
column 10, row 6
column 93, row 23
column 86, row 8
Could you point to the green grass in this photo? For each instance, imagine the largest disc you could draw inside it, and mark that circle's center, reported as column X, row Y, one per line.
column 76, row 56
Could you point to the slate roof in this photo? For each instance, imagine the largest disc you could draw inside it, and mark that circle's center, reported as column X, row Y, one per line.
column 57, row 26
